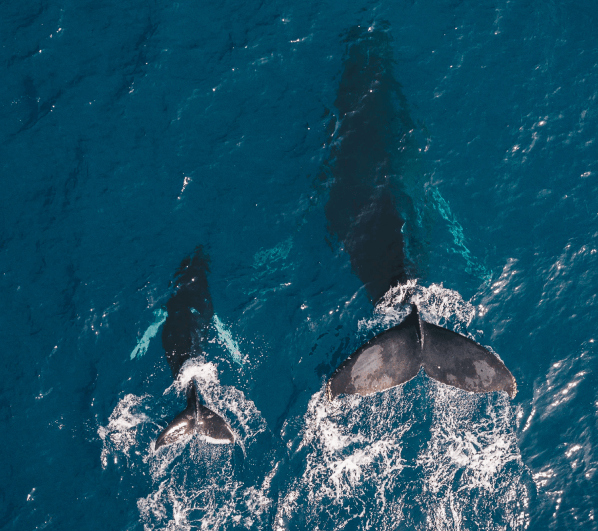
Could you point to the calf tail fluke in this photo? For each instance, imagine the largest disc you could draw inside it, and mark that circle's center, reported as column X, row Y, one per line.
column 196, row 418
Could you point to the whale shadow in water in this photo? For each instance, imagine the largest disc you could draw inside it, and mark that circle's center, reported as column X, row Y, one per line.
column 376, row 212
column 190, row 311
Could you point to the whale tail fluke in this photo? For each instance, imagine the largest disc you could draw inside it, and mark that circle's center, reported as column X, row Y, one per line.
column 396, row 355
column 196, row 418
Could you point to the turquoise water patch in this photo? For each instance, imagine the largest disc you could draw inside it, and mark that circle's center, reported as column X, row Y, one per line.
column 474, row 267
column 152, row 330
column 226, row 339
column 269, row 262
column 265, row 257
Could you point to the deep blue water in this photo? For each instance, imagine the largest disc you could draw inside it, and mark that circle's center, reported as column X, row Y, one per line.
column 133, row 131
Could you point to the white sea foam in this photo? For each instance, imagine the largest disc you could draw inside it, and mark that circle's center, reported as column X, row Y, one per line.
column 124, row 424
column 194, row 487
column 436, row 304
column 462, row 467
column 194, row 369
column 194, row 483
column 352, row 454
column 472, row 464
column 419, row 456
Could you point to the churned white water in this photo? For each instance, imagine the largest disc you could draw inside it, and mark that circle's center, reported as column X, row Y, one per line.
column 193, row 481
column 423, row 454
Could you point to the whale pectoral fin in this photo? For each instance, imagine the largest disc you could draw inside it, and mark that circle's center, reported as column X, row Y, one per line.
column 196, row 418
column 389, row 359
column 456, row 360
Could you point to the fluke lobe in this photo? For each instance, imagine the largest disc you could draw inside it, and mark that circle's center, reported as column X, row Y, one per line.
column 372, row 214
column 190, row 311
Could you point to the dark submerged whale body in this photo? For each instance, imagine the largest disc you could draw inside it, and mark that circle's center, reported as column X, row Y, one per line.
column 371, row 213
column 190, row 311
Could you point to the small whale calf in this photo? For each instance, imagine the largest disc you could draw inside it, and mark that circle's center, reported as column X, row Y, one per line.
column 190, row 311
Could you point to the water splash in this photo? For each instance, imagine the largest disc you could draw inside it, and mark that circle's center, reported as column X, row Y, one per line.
column 124, row 426
column 421, row 456
column 194, row 482
column 437, row 305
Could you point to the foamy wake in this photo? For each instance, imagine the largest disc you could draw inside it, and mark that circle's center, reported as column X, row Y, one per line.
column 419, row 456
column 436, row 304
column 472, row 465
column 194, row 482
column 350, row 455
column 423, row 456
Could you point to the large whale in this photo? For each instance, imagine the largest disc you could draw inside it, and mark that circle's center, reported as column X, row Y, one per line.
column 371, row 213
column 190, row 311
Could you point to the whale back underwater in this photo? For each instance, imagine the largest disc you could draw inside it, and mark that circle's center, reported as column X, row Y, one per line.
column 190, row 311
column 370, row 211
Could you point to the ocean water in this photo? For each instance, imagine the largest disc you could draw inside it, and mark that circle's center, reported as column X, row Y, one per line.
column 133, row 131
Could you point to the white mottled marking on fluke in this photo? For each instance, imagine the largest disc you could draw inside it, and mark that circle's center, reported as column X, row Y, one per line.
column 368, row 371
column 485, row 372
